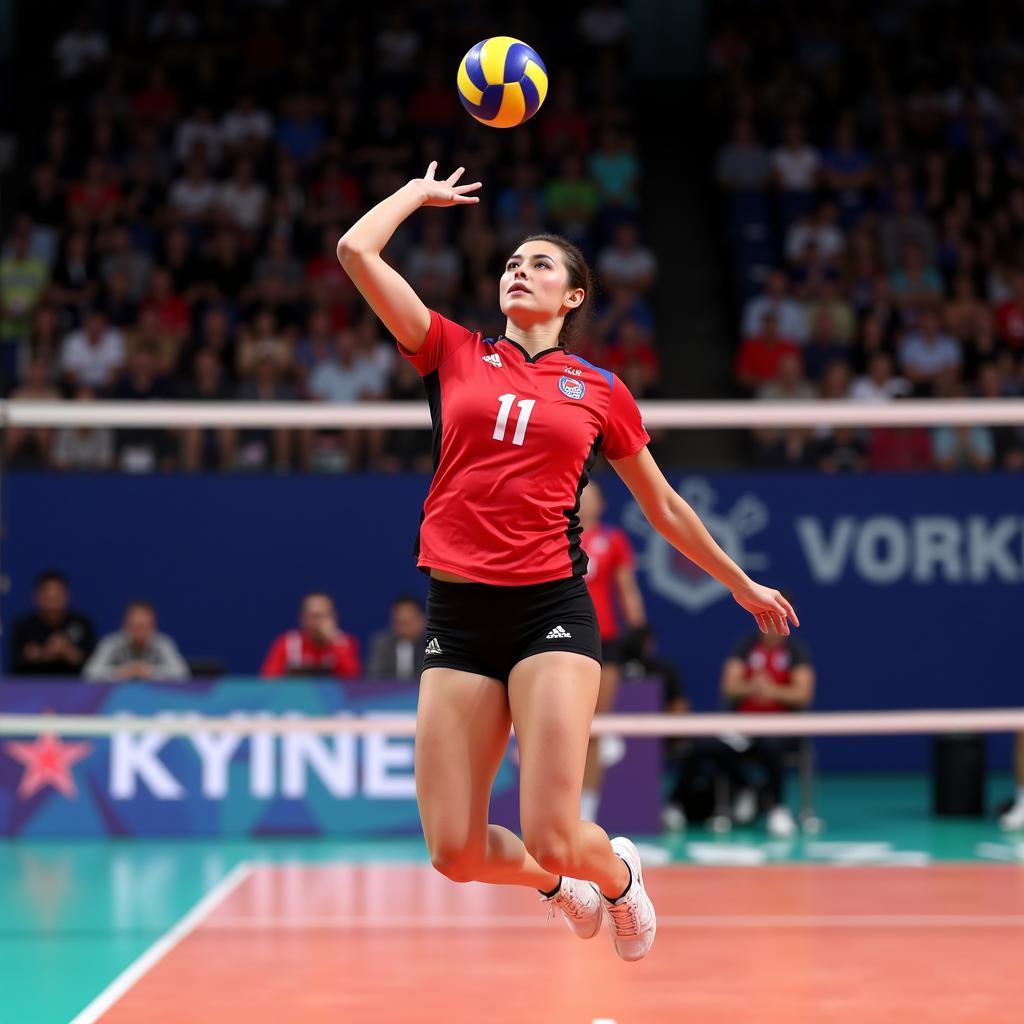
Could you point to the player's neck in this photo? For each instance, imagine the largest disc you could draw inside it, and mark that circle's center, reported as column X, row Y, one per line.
column 535, row 338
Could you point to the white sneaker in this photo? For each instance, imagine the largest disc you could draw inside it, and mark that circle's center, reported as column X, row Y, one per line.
column 631, row 919
column 1013, row 819
column 744, row 808
column 580, row 904
column 781, row 823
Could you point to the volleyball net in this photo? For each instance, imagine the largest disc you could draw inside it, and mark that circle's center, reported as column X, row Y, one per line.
column 679, row 415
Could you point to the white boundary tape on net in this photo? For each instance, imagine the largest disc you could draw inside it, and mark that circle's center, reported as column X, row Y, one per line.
column 405, row 415
column 843, row 723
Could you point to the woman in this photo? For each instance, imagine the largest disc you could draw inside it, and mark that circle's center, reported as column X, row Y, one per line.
column 610, row 577
column 511, row 632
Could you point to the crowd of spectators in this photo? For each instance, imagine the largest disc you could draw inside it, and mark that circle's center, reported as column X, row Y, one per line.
column 874, row 185
column 177, row 212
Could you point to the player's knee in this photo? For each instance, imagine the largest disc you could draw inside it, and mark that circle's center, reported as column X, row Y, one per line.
column 457, row 861
column 554, row 849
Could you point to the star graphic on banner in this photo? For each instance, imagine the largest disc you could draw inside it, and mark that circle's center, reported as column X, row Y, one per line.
column 47, row 762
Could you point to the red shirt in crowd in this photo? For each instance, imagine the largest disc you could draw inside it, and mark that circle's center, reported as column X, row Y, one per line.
column 777, row 662
column 608, row 550
column 515, row 437
column 758, row 358
column 294, row 654
column 899, row 449
column 1010, row 323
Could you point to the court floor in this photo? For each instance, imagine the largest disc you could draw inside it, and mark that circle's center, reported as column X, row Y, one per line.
column 889, row 915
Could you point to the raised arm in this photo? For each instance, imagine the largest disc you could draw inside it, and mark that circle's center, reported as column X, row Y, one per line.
column 673, row 518
column 390, row 296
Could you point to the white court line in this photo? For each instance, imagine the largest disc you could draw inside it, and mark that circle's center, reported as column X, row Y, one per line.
column 384, row 922
column 131, row 974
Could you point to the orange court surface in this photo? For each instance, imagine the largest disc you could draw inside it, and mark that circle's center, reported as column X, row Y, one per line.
column 398, row 943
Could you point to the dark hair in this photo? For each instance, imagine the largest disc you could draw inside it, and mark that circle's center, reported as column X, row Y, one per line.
column 407, row 599
column 580, row 276
column 317, row 593
column 51, row 576
column 145, row 606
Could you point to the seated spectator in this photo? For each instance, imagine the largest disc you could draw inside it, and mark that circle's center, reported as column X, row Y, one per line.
column 94, row 354
column 616, row 169
column 174, row 318
column 899, row 449
column 23, row 279
column 626, row 261
column 758, row 359
column 142, row 449
column 880, row 383
column 743, row 164
column 242, row 199
column 963, row 314
column 301, row 131
column 906, row 226
column 246, row 127
column 928, row 357
column 790, row 384
column 345, row 373
column 73, row 282
column 264, row 449
column 194, row 196
column 842, row 323
column 53, row 640
column 29, row 447
column 123, row 257
column 915, row 283
column 84, row 449
column 279, row 263
column 573, row 201
column 1009, row 440
column 767, row 674
column 397, row 653
column 820, row 230
column 317, row 648
column 843, row 450
column 1010, row 314
column 199, row 135
column 963, row 447
column 208, row 448
column 635, row 357
column 136, row 651
column 848, row 171
column 789, row 314
column 796, row 166
column 434, row 255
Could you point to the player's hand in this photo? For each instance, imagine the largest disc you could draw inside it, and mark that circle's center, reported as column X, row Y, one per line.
column 445, row 193
column 770, row 609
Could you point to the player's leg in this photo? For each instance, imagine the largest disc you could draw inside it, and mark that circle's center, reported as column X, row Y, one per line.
column 552, row 697
column 462, row 730
column 593, row 772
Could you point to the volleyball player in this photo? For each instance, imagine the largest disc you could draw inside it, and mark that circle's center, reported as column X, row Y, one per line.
column 511, row 632
column 610, row 578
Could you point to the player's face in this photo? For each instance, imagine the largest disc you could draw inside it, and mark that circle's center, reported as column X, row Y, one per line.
column 535, row 284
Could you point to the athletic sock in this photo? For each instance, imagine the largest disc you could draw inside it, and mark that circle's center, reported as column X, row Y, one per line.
column 628, row 885
column 554, row 892
column 590, row 800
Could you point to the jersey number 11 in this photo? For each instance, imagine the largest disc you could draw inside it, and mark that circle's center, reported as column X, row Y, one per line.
column 525, row 408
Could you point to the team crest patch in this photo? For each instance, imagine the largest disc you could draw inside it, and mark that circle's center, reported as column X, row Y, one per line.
column 571, row 388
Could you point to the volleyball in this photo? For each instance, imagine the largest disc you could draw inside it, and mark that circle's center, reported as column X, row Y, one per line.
column 502, row 82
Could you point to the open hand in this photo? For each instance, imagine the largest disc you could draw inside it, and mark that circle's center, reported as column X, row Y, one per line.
column 445, row 193
column 770, row 609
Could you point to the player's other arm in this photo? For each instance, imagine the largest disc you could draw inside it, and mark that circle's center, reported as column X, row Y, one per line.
column 390, row 296
column 673, row 518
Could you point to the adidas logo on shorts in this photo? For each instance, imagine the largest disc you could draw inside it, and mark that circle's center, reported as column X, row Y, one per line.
column 433, row 647
column 558, row 633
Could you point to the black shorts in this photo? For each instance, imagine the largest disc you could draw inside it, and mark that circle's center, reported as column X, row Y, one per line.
column 477, row 627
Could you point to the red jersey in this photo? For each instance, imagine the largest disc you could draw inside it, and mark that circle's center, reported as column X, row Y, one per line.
column 608, row 550
column 294, row 654
column 515, row 438
column 759, row 359
column 777, row 662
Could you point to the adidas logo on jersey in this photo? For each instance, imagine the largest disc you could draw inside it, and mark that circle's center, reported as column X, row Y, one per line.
column 558, row 633
column 433, row 647
column 494, row 359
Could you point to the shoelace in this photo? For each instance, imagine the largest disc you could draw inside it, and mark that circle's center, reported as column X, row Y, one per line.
column 569, row 901
column 624, row 917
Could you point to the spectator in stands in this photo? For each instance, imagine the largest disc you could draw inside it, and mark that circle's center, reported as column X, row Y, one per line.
column 627, row 262
column 796, row 166
column 53, row 640
column 29, row 447
column 84, row 448
column 397, row 653
column 928, row 357
column 880, row 383
column 137, row 651
column 317, row 648
column 1010, row 314
column 820, row 230
column 23, row 278
column 790, row 317
column 905, row 226
column 767, row 674
column 759, row 356
column 915, row 284
column 93, row 355
column 743, row 165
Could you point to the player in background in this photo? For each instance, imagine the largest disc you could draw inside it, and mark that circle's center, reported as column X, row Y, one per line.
column 611, row 579
column 512, row 635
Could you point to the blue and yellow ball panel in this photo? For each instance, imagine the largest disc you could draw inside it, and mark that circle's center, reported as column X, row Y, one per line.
column 502, row 82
